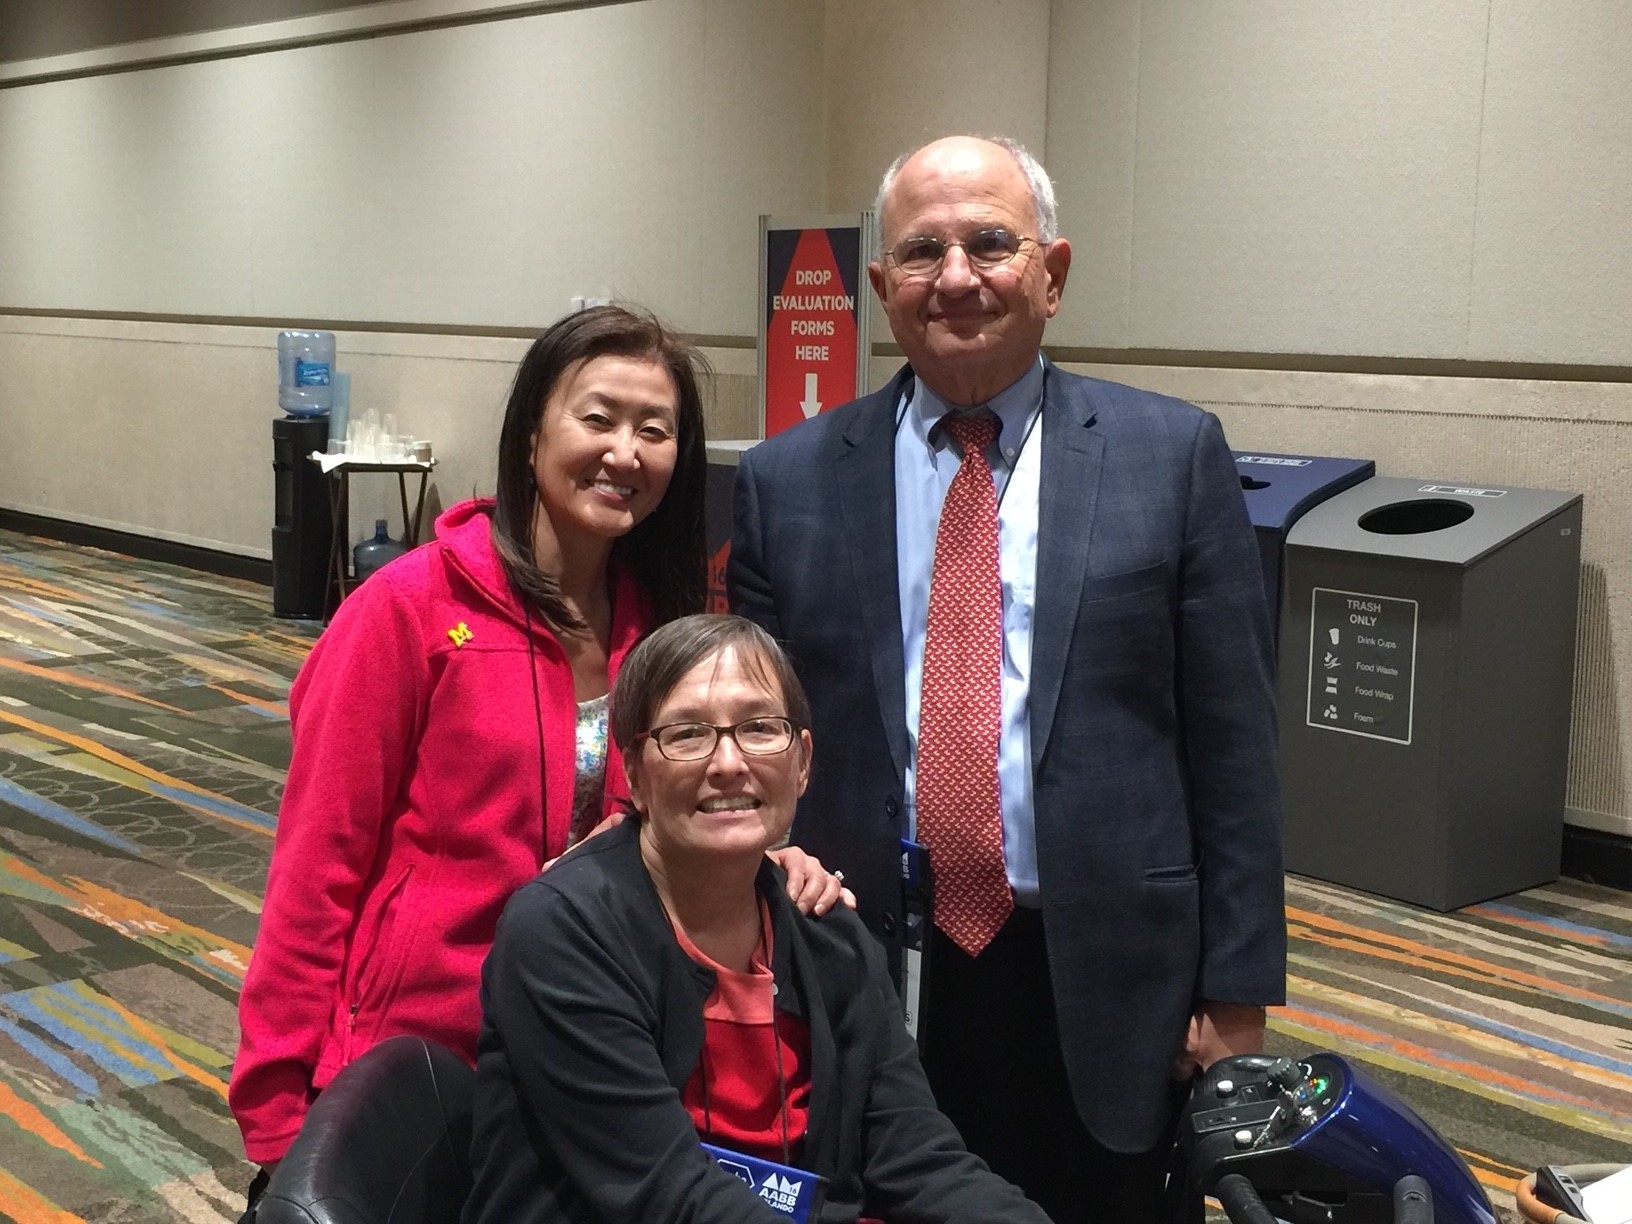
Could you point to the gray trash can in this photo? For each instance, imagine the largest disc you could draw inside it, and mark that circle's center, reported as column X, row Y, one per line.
column 1281, row 489
column 720, row 484
column 1425, row 674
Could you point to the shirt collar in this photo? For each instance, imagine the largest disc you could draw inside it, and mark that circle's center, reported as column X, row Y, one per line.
column 1014, row 407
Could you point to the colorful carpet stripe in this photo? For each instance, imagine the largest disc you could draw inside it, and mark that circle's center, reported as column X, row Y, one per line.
column 143, row 742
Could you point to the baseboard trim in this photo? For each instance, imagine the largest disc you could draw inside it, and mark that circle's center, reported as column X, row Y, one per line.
column 1598, row 857
column 147, row 548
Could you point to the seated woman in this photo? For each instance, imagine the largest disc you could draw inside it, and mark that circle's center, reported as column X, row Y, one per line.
column 655, row 989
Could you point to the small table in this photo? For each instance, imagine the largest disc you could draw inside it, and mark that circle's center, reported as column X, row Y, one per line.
column 340, row 503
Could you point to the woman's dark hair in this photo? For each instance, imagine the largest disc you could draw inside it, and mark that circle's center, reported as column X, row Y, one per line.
column 667, row 552
column 667, row 653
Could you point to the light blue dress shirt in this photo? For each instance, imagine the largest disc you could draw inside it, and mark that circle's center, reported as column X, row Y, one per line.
column 924, row 467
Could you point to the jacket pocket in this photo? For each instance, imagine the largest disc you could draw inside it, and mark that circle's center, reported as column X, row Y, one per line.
column 376, row 955
column 1125, row 583
column 1179, row 873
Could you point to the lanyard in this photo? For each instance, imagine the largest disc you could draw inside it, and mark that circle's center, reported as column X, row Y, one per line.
column 1033, row 418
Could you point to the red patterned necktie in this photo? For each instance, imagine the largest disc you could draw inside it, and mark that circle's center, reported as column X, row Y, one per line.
column 960, row 812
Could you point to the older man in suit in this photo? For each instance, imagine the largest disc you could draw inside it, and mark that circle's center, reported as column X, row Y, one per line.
column 1028, row 610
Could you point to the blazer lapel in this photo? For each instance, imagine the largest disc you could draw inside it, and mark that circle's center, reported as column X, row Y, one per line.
column 864, row 470
column 1072, row 455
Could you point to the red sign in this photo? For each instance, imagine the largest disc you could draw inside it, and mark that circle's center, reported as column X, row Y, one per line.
column 717, row 600
column 812, row 322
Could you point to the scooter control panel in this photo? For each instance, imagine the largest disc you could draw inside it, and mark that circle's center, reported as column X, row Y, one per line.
column 1275, row 1099
column 1305, row 1092
column 1319, row 1142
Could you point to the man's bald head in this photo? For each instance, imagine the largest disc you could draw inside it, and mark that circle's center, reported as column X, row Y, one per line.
column 1038, row 183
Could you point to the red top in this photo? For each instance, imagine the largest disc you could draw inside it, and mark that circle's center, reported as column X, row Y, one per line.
column 753, row 1075
column 412, row 812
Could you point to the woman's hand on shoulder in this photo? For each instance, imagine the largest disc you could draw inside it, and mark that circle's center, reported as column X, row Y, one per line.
column 812, row 888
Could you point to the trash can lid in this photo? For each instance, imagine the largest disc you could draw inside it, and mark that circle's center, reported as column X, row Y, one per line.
column 1426, row 520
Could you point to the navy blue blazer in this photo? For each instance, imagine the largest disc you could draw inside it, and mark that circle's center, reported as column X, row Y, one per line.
column 1156, row 795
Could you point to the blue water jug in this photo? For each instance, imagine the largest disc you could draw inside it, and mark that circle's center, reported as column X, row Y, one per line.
column 370, row 555
column 305, row 372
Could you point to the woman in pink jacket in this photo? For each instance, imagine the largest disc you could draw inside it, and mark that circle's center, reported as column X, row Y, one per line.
column 450, row 724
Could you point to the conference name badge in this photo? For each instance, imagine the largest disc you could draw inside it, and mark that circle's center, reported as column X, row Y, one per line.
column 796, row 1193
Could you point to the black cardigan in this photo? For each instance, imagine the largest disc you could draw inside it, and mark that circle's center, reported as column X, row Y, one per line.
column 593, row 1022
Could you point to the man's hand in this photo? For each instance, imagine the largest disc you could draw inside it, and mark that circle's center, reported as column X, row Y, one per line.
column 1216, row 1031
column 811, row 887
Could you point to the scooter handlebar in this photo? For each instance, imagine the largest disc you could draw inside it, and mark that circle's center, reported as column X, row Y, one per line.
column 1413, row 1201
column 1240, row 1201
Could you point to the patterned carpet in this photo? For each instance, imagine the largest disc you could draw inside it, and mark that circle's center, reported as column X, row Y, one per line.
column 143, row 738
column 1507, row 1025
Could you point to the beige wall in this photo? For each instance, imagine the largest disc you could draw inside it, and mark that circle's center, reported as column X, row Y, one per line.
column 1446, row 181
column 1250, row 178
column 902, row 73
column 1449, row 180
column 165, row 429
column 483, row 174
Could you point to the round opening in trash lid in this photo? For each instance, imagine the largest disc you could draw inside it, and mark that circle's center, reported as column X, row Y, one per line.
column 1416, row 517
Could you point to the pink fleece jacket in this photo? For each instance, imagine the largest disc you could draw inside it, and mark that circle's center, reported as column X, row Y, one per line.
column 411, row 813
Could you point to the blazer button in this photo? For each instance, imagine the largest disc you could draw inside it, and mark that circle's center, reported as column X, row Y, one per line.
column 892, row 809
column 889, row 923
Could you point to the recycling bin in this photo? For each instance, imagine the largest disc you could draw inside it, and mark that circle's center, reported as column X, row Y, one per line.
column 718, row 489
column 1425, row 675
column 1281, row 489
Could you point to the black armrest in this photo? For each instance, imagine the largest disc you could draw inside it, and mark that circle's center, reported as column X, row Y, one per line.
column 388, row 1142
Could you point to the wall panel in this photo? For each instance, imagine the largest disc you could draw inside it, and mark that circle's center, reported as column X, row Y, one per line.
column 1093, row 113
column 481, row 174
column 1306, row 176
column 1552, row 268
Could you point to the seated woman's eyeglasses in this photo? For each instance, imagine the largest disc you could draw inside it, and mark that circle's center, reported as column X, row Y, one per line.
column 985, row 249
column 693, row 741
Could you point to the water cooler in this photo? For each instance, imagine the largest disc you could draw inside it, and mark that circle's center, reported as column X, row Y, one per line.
column 302, row 523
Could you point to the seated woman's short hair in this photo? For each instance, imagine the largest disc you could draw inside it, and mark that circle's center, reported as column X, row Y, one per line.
column 670, row 651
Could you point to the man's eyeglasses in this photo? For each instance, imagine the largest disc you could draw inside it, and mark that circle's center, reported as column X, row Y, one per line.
column 695, row 741
column 986, row 250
